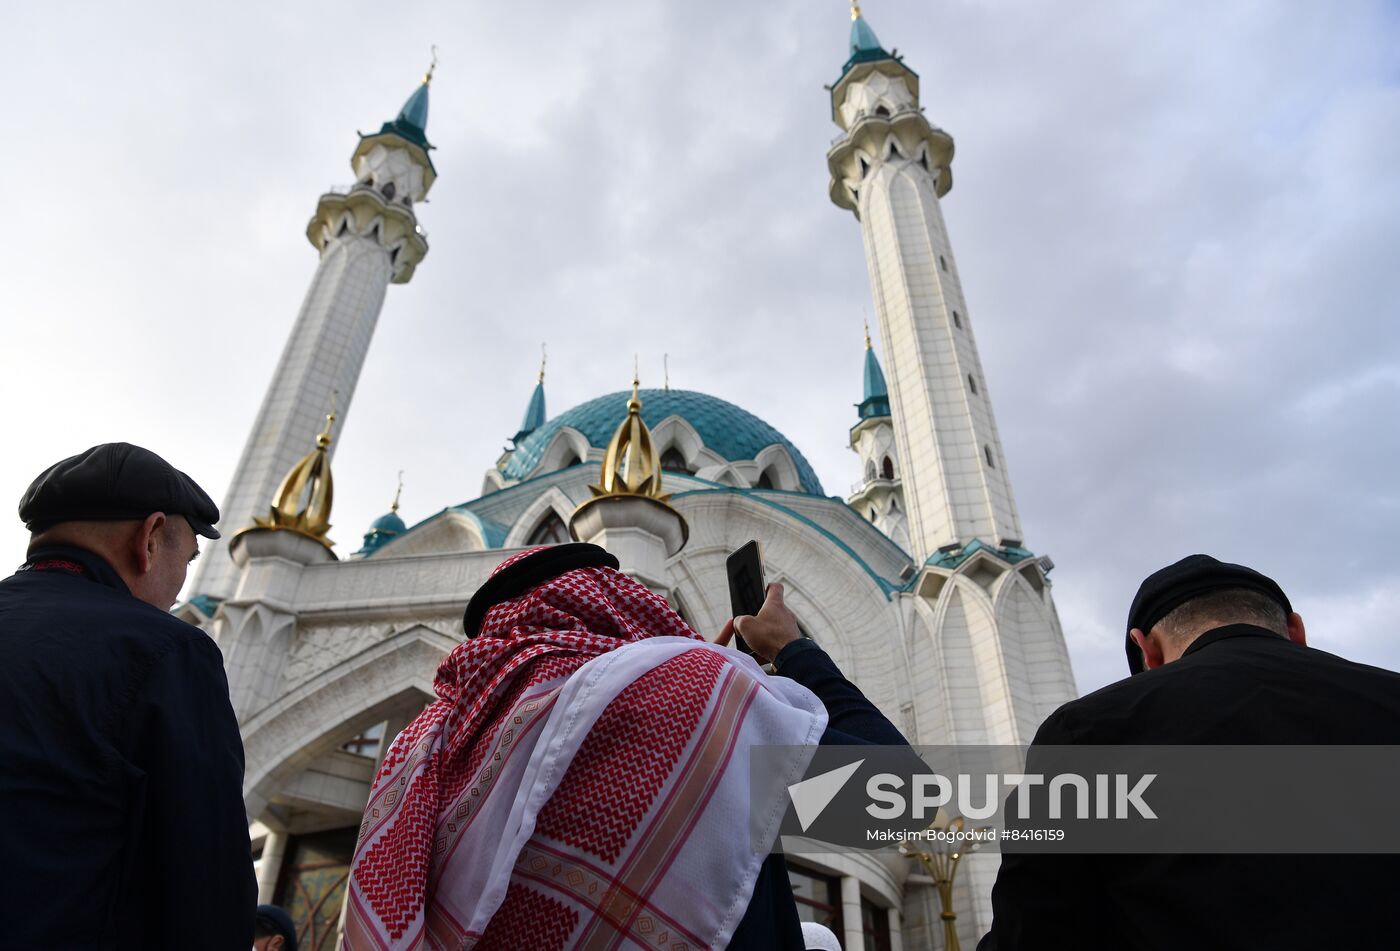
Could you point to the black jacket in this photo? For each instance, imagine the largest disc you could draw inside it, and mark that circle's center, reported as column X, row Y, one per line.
column 121, row 771
column 770, row 923
column 1236, row 685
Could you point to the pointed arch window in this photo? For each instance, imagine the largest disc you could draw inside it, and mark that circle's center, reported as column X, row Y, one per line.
column 672, row 460
column 870, row 471
column 894, row 505
column 887, row 468
column 765, row 480
column 551, row 530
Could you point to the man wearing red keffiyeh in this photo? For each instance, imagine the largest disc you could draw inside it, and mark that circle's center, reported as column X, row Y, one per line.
column 581, row 776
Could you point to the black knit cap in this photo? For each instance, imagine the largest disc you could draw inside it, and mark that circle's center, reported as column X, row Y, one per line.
column 113, row 482
column 1191, row 577
column 534, row 569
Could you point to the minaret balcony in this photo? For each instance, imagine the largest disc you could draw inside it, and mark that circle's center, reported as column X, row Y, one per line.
column 875, row 490
column 367, row 212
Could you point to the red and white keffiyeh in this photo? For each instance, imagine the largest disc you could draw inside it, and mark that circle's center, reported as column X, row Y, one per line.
column 582, row 781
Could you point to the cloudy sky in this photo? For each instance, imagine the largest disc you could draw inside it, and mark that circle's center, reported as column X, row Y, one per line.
column 1177, row 225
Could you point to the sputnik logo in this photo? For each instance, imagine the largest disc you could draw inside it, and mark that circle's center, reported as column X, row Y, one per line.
column 811, row 796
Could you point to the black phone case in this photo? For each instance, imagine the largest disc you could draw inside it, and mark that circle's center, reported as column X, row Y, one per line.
column 746, row 588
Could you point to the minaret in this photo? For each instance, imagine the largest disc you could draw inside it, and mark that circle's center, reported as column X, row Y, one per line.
column 879, row 496
column 985, row 645
column 891, row 168
column 368, row 237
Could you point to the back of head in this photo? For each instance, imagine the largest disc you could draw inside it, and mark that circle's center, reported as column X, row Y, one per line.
column 1193, row 618
column 1197, row 593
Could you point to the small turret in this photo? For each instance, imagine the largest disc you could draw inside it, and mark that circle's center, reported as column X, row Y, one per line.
column 879, row 495
column 386, row 527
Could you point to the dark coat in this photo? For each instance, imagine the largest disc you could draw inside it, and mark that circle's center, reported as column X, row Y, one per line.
column 1236, row 685
column 121, row 771
column 770, row 923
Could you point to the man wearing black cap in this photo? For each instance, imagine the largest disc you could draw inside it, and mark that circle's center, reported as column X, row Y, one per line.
column 1218, row 656
column 121, row 766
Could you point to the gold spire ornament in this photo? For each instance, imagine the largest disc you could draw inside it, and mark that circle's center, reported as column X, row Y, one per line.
column 629, row 494
column 397, row 494
column 544, row 355
column 302, row 503
column 428, row 76
column 867, row 334
column 632, row 466
column 855, row 10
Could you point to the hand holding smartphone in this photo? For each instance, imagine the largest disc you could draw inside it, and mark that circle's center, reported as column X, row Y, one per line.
column 746, row 586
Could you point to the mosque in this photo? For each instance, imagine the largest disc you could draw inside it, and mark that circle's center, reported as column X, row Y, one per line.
column 919, row 583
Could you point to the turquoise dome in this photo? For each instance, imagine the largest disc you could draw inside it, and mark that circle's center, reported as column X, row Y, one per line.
column 382, row 530
column 389, row 524
column 733, row 433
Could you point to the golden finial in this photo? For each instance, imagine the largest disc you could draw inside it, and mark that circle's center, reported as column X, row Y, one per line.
column 324, row 438
column 428, row 76
column 544, row 355
column 630, row 484
column 855, row 9
column 631, row 465
column 302, row 503
column 867, row 333
column 398, row 493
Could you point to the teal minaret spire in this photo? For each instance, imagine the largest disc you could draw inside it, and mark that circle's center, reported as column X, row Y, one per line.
column 865, row 45
column 412, row 121
column 876, row 399
column 534, row 413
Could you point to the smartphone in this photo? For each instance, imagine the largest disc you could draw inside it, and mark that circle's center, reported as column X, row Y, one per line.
column 746, row 587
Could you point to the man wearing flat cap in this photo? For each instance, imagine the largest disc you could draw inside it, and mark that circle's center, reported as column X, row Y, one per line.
column 1217, row 656
column 121, row 766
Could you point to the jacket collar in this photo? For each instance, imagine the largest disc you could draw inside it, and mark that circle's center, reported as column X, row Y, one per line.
column 94, row 567
column 1227, row 632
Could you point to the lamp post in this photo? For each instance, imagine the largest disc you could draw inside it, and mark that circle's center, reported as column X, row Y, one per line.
column 941, row 855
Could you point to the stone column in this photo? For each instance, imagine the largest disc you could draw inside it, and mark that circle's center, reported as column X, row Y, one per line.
column 270, row 866
column 854, row 938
